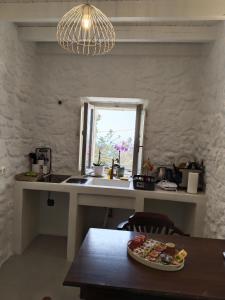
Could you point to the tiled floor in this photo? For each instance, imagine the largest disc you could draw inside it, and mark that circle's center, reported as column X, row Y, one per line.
column 38, row 273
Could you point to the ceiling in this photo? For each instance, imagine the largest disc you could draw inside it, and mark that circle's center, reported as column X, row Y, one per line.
column 149, row 21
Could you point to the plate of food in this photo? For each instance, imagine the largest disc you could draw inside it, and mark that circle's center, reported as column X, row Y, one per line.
column 156, row 254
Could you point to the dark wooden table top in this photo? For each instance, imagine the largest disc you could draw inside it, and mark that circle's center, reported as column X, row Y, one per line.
column 103, row 262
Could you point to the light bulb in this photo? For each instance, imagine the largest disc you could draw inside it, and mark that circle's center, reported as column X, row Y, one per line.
column 86, row 22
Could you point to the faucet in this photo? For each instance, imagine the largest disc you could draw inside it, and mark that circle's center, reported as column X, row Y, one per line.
column 113, row 166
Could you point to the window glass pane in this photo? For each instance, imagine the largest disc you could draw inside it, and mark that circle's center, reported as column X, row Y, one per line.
column 114, row 135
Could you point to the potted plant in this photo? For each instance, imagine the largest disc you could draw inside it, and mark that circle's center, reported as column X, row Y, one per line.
column 99, row 167
column 123, row 147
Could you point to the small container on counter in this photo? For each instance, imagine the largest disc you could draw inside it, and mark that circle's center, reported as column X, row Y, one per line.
column 192, row 187
column 36, row 168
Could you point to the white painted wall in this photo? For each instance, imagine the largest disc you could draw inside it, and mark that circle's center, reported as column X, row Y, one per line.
column 166, row 76
column 211, row 138
column 184, row 87
column 16, row 78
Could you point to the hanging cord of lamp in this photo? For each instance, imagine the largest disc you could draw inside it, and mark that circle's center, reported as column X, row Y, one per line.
column 86, row 30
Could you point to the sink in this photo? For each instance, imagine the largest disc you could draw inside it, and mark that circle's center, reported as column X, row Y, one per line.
column 77, row 180
column 110, row 183
column 54, row 178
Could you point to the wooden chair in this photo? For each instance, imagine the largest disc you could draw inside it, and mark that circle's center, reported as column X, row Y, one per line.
column 150, row 223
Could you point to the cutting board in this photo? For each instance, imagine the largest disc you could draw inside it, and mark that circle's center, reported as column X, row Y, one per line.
column 24, row 177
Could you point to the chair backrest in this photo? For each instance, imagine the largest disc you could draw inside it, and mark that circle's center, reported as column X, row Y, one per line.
column 151, row 223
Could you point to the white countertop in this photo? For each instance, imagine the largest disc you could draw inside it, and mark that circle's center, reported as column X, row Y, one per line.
column 88, row 188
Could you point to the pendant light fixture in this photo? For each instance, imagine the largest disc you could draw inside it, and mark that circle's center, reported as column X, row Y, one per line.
column 86, row 30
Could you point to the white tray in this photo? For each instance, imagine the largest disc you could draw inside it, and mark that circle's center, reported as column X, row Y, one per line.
column 155, row 265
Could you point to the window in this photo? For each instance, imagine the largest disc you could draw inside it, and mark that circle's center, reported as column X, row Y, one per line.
column 114, row 135
column 114, row 130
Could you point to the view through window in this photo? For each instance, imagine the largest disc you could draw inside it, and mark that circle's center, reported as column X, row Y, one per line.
column 114, row 135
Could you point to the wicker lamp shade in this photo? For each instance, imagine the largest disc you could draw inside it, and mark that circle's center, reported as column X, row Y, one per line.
column 86, row 30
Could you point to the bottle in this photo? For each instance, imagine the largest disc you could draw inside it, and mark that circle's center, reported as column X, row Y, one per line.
column 110, row 175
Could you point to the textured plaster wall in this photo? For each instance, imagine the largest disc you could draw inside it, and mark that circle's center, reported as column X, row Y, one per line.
column 182, row 85
column 16, row 60
column 166, row 76
column 211, row 140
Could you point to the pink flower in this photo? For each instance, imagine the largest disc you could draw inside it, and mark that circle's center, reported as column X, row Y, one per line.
column 121, row 147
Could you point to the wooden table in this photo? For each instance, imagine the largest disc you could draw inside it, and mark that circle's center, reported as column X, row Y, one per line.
column 103, row 269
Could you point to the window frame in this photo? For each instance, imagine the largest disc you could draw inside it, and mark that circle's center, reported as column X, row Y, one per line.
column 88, row 108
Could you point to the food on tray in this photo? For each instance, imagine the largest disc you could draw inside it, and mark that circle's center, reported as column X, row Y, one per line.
column 166, row 259
column 160, row 247
column 137, row 242
column 180, row 255
column 170, row 249
column 153, row 253
column 149, row 251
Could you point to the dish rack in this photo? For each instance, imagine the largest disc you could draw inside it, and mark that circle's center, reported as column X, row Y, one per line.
column 143, row 182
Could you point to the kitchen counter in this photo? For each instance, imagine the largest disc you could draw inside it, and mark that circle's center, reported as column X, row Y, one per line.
column 81, row 195
column 180, row 195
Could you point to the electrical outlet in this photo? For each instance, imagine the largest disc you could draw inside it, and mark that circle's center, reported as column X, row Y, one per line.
column 2, row 171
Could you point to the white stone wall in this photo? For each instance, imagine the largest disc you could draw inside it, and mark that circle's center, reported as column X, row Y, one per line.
column 31, row 85
column 165, row 75
column 183, row 86
column 184, row 91
column 211, row 139
column 16, row 61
